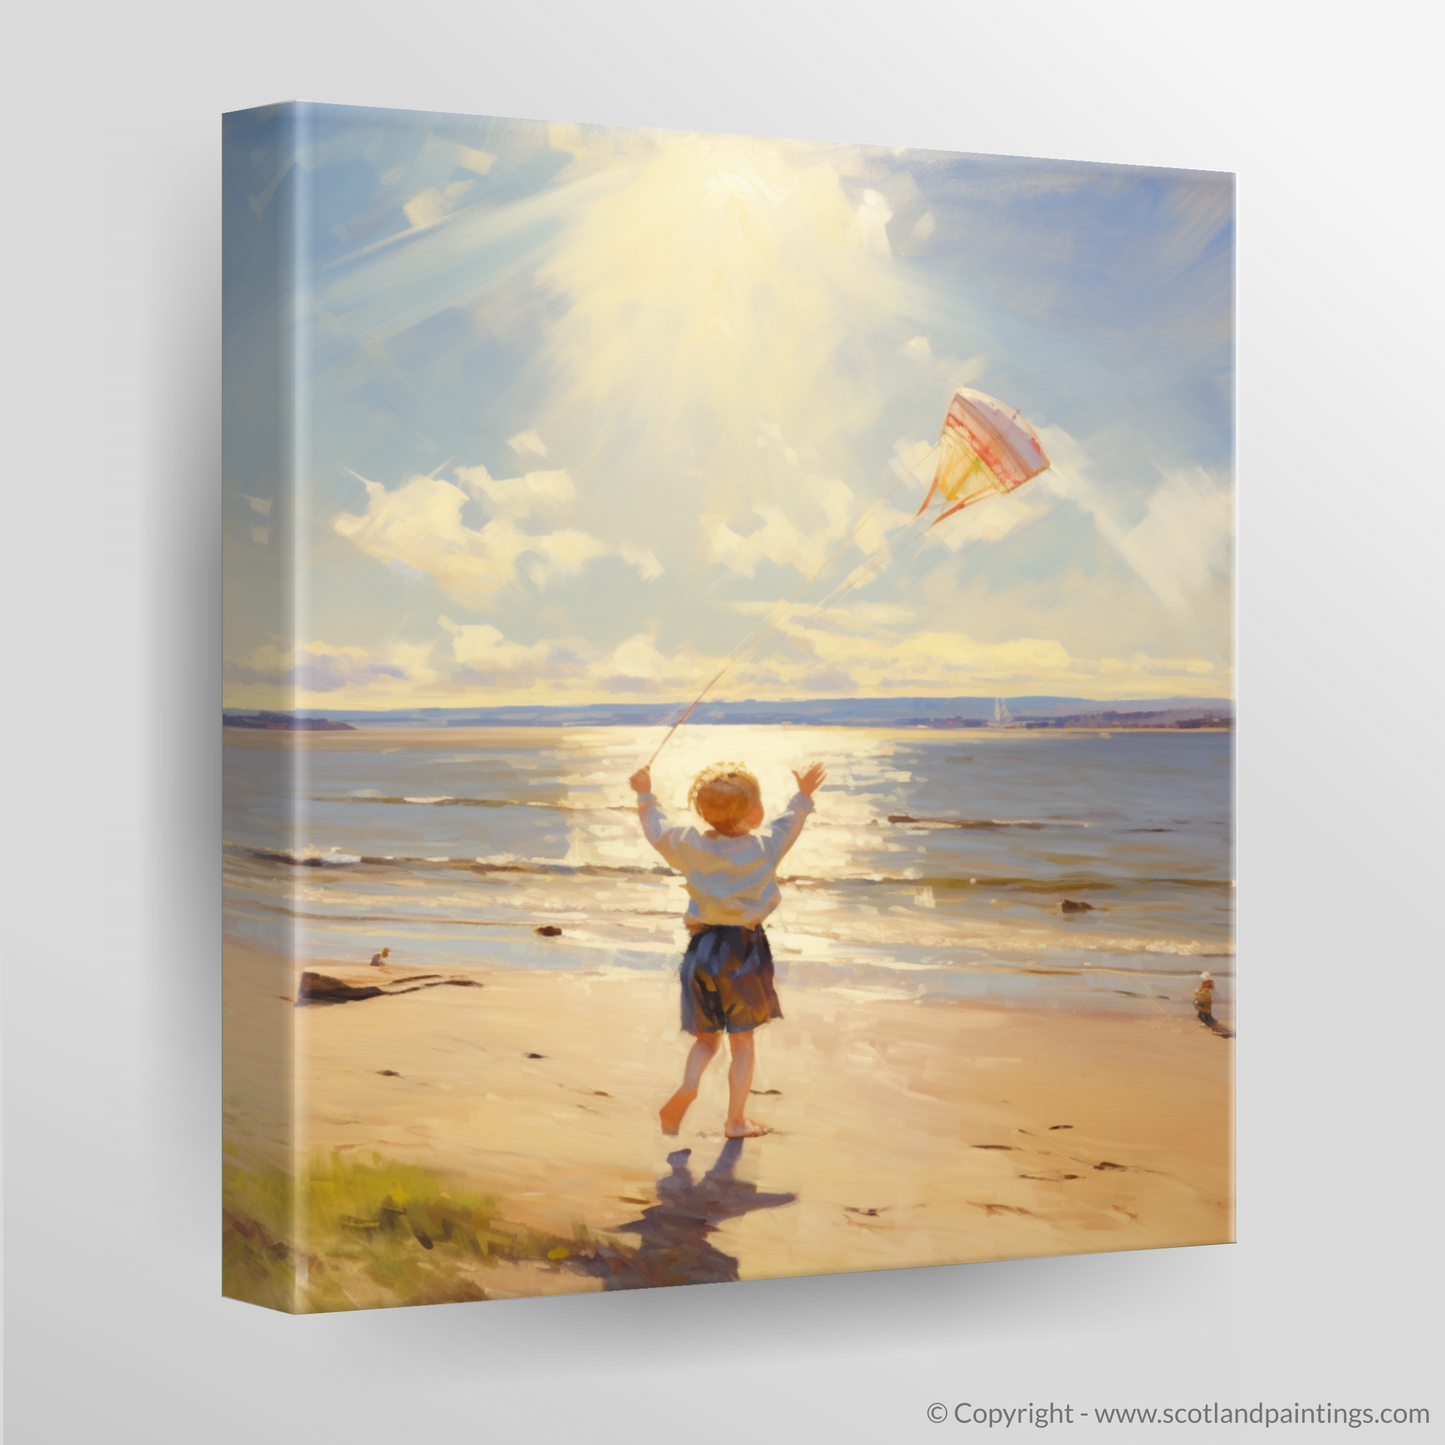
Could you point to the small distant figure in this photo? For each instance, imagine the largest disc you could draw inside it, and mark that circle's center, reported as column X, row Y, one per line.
column 378, row 960
column 727, row 971
column 1204, row 999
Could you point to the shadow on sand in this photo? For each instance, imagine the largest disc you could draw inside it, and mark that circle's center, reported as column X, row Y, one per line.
column 673, row 1233
column 1214, row 1026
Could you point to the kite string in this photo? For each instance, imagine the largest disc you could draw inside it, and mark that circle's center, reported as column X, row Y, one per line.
column 872, row 563
column 780, row 611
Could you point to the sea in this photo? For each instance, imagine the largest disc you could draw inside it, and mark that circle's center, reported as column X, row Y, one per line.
column 940, row 863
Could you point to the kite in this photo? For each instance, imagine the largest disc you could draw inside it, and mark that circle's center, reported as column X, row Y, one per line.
column 986, row 449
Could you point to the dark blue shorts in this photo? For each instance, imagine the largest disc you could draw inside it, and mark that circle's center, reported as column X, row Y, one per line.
column 727, row 981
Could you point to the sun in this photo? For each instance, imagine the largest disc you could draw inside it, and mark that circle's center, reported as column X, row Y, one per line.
column 719, row 283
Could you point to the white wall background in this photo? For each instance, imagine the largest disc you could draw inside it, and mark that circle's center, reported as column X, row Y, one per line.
column 111, row 360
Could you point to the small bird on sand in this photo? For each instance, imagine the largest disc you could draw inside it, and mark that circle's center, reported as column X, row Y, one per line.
column 1204, row 997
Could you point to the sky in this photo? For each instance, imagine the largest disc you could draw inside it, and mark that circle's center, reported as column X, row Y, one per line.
column 567, row 410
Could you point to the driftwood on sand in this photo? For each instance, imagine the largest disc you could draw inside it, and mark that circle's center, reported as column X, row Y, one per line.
column 322, row 988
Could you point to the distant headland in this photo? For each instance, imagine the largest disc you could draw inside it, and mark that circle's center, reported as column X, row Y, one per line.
column 1187, row 713
column 283, row 722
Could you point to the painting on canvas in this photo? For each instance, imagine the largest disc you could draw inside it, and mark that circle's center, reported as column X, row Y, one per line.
column 728, row 708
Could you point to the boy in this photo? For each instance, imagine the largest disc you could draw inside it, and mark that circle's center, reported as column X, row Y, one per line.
column 727, row 972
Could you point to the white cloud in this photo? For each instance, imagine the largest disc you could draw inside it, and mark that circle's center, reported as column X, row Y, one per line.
column 918, row 349
column 910, row 458
column 426, row 208
column 639, row 657
column 259, row 504
column 874, row 214
column 545, row 494
column 437, row 202
column 864, row 650
column 420, row 524
column 987, row 520
column 527, row 441
column 567, row 552
column 473, row 160
column 778, row 539
column 567, row 667
column 963, row 373
column 1182, row 544
column 261, row 536
column 872, row 651
column 947, row 661
column 638, row 665
column 484, row 649
column 877, row 525
column 643, row 558
column 1184, row 540
column 317, row 669
column 418, row 529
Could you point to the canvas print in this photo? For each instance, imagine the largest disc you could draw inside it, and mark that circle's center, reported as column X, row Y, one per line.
column 728, row 715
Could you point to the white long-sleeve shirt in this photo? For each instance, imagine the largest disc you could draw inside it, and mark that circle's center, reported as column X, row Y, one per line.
column 730, row 880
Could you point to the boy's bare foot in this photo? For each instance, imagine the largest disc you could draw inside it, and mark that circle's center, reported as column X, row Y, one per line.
column 670, row 1115
column 746, row 1130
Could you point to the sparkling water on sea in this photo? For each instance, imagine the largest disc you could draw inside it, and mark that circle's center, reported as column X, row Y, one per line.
column 938, row 861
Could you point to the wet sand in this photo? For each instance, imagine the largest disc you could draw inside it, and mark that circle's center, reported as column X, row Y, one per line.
column 904, row 1133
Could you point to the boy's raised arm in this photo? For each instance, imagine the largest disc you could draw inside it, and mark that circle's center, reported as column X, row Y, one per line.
column 783, row 831
column 651, row 816
column 812, row 780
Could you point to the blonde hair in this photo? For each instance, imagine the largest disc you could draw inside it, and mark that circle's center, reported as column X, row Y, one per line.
column 724, row 795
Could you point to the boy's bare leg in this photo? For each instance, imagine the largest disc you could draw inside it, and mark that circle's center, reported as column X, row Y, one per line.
column 699, row 1056
column 740, row 1080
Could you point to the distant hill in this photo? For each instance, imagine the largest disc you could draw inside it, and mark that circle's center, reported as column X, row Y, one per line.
column 835, row 712
column 283, row 722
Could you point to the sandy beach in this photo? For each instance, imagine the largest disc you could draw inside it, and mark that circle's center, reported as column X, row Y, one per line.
column 903, row 1133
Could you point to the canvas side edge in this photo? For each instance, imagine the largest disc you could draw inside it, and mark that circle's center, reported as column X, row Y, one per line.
column 263, row 1259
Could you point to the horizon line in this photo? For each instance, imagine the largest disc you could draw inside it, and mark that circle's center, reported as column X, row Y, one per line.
column 1182, row 698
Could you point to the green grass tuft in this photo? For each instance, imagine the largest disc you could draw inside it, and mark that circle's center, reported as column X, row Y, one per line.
column 361, row 1235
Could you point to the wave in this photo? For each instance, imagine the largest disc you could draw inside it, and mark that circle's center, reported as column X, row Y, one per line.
column 1033, row 823
column 905, row 820
column 444, row 800
column 1074, row 883
column 393, row 920
column 311, row 856
column 440, row 801
column 794, row 944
